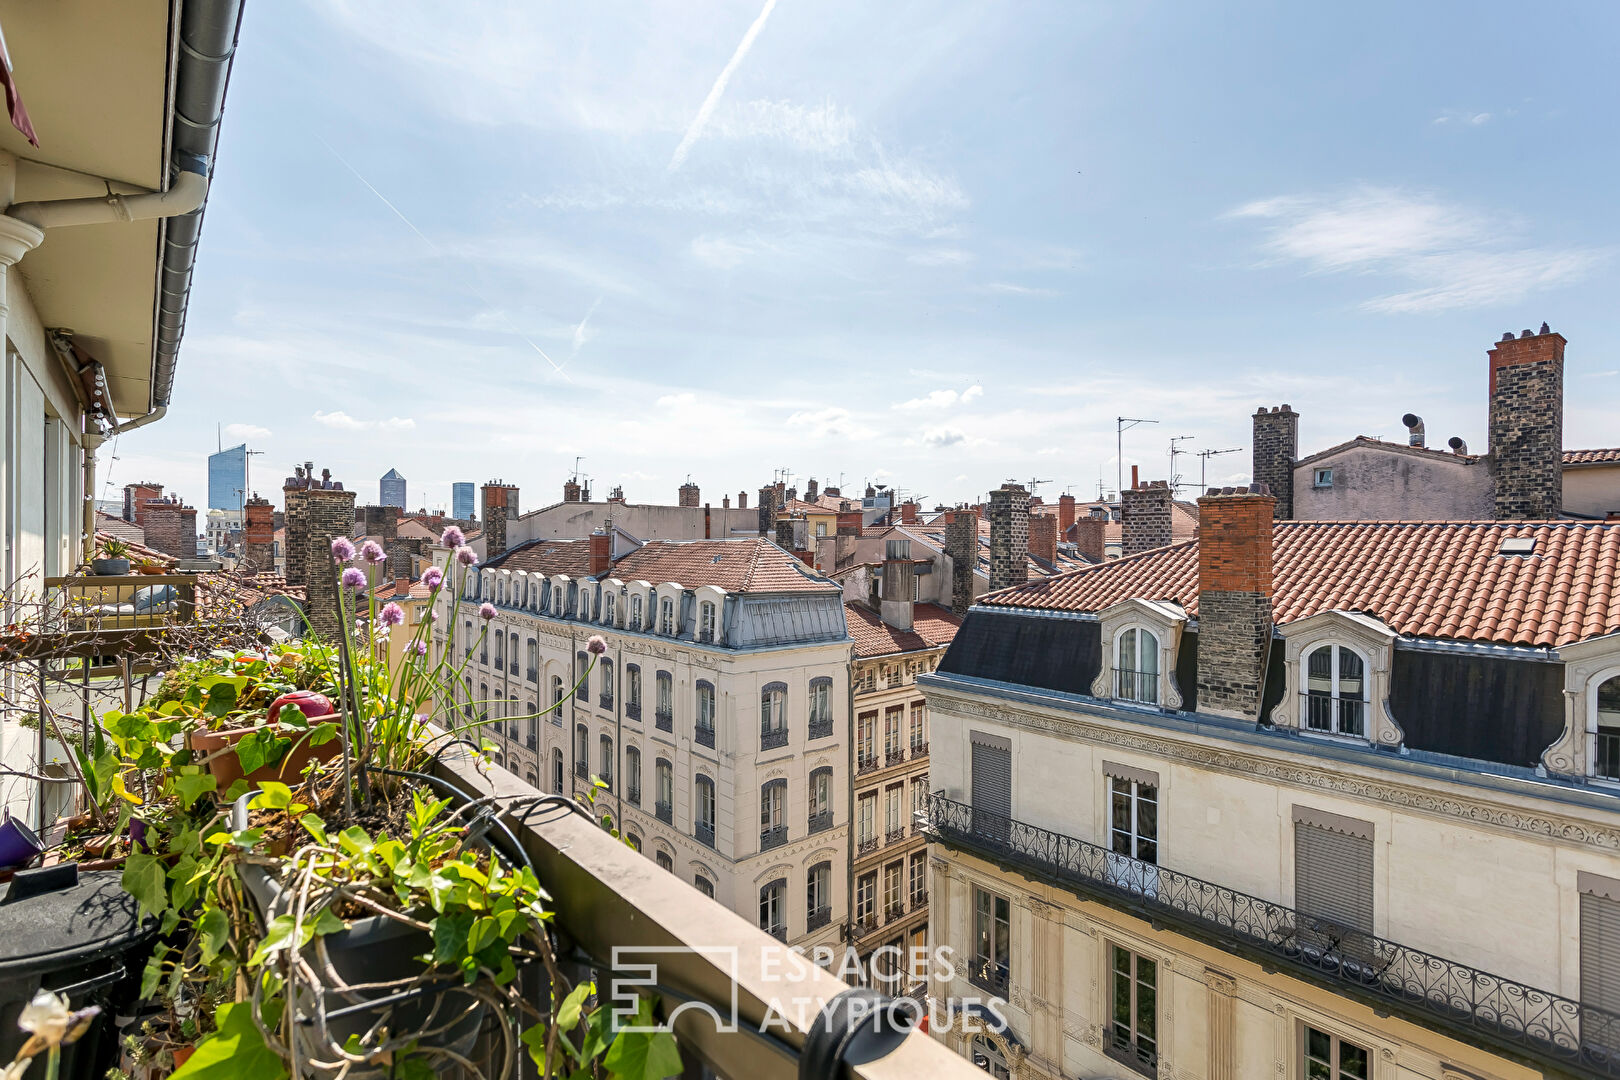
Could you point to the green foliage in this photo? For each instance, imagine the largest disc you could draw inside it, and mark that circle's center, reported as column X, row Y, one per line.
column 235, row 1051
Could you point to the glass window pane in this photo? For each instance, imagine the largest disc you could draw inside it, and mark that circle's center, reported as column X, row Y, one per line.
column 1352, row 1062
column 1318, row 1044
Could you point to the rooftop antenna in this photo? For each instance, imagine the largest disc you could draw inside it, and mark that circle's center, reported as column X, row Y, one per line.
column 1121, row 425
column 1203, row 465
column 1034, row 483
column 247, row 470
column 1175, row 452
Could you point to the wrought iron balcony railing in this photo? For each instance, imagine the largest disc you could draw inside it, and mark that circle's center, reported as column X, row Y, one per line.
column 582, row 770
column 866, row 763
column 868, row 845
column 632, row 710
column 1507, row 1015
column 606, row 702
column 818, row 918
column 771, row 738
column 633, row 796
column 896, row 910
column 533, row 743
column 664, row 721
column 919, row 750
column 896, row 756
column 819, row 729
column 1607, row 764
column 665, row 812
column 821, row 822
column 704, row 831
column 895, row 835
column 919, row 901
column 772, row 838
column 704, row 736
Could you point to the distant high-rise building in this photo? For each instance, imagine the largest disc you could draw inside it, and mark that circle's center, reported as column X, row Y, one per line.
column 227, row 478
column 391, row 489
column 462, row 495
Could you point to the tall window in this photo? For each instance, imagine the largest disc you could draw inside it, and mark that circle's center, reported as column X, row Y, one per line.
column 773, row 716
column 582, row 677
column 866, row 739
column 665, row 780
column 1336, row 691
column 894, row 902
column 1606, row 760
column 635, row 613
column 534, row 728
column 772, row 814
column 664, row 861
column 606, row 770
column 894, row 802
column 1134, row 1031
column 632, row 691
column 468, row 637
column 632, row 775
column 605, row 666
column 607, row 607
column 483, row 701
column 582, row 751
column 821, row 782
column 772, row 908
column 704, row 886
column 666, row 698
column 818, row 895
column 866, row 898
column 866, row 820
column 892, row 720
column 666, row 616
column 557, row 692
column 1134, row 819
column 1328, row 1057
column 919, row 795
column 557, row 771
column 919, row 879
column 513, row 655
column 919, row 729
column 500, row 649
column 534, row 661
column 706, row 622
column 992, row 941
column 1136, row 667
column 705, row 714
column 821, row 722
column 703, row 809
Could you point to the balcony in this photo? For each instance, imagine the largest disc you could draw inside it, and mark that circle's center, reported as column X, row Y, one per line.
column 703, row 831
column 664, row 812
column 867, row 846
column 821, row 822
column 895, row 835
column 633, row 796
column 818, row 918
column 533, row 675
column 664, row 721
column 704, row 736
column 606, row 702
column 895, row 911
column 894, row 757
column 819, row 729
column 779, row 932
column 773, row 837
column 1520, row 1021
column 533, row 743
column 990, row 976
column 582, row 770
column 772, row 738
column 1136, row 1056
column 919, row 750
column 919, row 901
column 866, row 763
column 632, row 710
column 864, row 925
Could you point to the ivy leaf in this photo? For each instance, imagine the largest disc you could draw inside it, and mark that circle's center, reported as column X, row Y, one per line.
column 236, row 1051
column 313, row 825
column 271, row 796
column 535, row 1039
column 123, row 792
column 643, row 1055
column 238, row 788
column 214, row 929
column 327, row 922
column 568, row 1015
column 221, row 699
column 193, row 786
column 321, row 734
column 261, row 748
column 277, row 936
column 185, row 876
column 450, row 937
column 153, row 972
column 484, row 931
column 145, row 880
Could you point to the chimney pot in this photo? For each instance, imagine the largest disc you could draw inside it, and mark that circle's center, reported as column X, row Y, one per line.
column 1234, row 601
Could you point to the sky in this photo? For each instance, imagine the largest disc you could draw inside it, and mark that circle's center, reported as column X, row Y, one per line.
column 936, row 246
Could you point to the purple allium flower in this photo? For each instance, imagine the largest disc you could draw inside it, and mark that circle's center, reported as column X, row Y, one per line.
column 420, row 648
column 391, row 614
column 452, row 537
column 597, row 645
column 486, row 611
column 466, row 556
column 433, row 577
column 342, row 549
column 354, row 578
column 372, row 552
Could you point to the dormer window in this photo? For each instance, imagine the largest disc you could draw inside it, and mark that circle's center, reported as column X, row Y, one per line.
column 666, row 616
column 607, row 608
column 1606, row 760
column 635, row 613
column 706, row 623
column 1136, row 666
column 1335, row 692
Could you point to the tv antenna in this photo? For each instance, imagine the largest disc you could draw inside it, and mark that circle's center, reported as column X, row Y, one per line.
column 1034, row 483
column 1203, row 464
column 1121, row 425
column 1175, row 452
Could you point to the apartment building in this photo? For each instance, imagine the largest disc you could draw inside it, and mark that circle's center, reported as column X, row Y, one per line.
column 1295, row 799
column 895, row 642
column 717, row 720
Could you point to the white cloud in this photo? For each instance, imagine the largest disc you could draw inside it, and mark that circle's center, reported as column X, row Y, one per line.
column 972, row 392
column 820, row 129
column 1009, row 288
column 941, row 399
column 701, row 120
column 831, row 422
column 342, row 421
column 940, row 257
column 944, row 436
column 719, row 252
column 1463, row 117
column 1454, row 256
column 581, row 332
column 246, row 431
column 675, row 401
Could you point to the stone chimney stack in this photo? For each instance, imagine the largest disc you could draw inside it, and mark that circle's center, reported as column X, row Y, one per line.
column 1009, row 536
column 1043, row 537
column 259, row 536
column 689, row 495
column 962, row 545
column 136, row 496
column 1276, row 447
column 899, row 577
column 1065, row 517
column 765, row 512
column 1144, row 514
column 317, row 512
column 1090, row 536
column 171, row 527
column 1527, row 425
column 810, row 489
column 601, row 551
column 725, row 502
column 571, row 491
column 742, row 500
column 500, row 503
column 1234, row 599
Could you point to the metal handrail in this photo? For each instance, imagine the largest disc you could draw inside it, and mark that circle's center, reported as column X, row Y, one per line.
column 1444, row 992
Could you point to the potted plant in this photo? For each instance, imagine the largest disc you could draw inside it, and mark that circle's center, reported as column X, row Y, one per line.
column 113, row 560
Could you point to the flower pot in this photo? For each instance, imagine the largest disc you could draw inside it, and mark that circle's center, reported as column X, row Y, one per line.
column 109, row 567
column 18, row 844
column 372, row 950
column 227, row 768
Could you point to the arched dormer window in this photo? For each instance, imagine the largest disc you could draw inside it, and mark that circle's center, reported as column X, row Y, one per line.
column 1136, row 665
column 635, row 613
column 1335, row 691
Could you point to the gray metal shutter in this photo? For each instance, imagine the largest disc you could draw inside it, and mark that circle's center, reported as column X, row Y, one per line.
column 1600, row 952
column 1333, row 876
column 992, row 788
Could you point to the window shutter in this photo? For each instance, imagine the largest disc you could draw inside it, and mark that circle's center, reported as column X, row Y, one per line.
column 992, row 787
column 1600, row 952
column 1333, row 876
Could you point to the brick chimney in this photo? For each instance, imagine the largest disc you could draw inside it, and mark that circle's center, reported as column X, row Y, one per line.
column 1090, row 536
column 899, row 576
column 601, row 551
column 908, row 513
column 1527, row 425
column 259, row 536
column 136, row 497
column 317, row 511
column 1234, row 599
column 742, row 500
column 1043, row 537
column 765, row 512
column 688, row 494
column 1144, row 514
column 571, row 491
column 962, row 545
column 1009, row 536
column 1065, row 515
column 1276, row 447
column 500, row 506
column 171, row 527
column 810, row 489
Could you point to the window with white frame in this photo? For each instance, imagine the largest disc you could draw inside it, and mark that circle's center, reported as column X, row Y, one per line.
column 557, row 693
column 606, row 666
column 606, row 770
column 1328, row 1057
column 772, row 908
column 666, row 616
column 1322, row 478
column 992, row 941
column 704, row 806
column 632, row 775
column 1133, row 828
column 706, row 622
column 608, row 599
column 1136, row 666
column 866, row 818
column 1606, row 760
column 1335, row 691
column 866, row 898
column 664, row 781
column 705, row 713
column 1133, row 1031
column 635, row 613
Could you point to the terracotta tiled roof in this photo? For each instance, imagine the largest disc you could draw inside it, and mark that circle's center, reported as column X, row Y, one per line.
column 138, row 553
column 1424, row 579
column 931, row 626
column 572, row 557
column 750, row 565
column 1607, row 456
column 934, row 534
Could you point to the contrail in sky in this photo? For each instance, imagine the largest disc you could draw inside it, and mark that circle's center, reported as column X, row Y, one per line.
column 701, row 120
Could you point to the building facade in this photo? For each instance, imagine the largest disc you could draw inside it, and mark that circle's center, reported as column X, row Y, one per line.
column 227, row 479
column 1287, row 802
column 391, row 489
column 716, row 721
column 463, row 499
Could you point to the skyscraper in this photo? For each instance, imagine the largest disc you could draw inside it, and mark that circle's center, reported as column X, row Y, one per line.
column 461, row 500
column 227, row 479
column 391, row 489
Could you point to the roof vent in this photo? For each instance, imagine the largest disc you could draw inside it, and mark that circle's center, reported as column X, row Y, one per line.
column 716, row 559
column 1518, row 545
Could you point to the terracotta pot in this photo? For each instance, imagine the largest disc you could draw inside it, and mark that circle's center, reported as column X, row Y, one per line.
column 227, row 769
column 182, row 1054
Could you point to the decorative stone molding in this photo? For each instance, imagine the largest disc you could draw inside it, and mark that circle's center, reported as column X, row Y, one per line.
column 17, row 238
column 1165, row 621
column 1587, row 664
column 1365, row 635
column 1166, row 746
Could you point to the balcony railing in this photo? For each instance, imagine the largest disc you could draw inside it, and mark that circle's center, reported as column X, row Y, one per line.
column 534, row 743
column 664, row 721
column 633, row 796
column 665, row 812
column 582, row 770
column 1138, row 686
column 919, row 901
column 864, row 925
column 1445, row 994
column 533, row 675
column 866, row 763
column 773, row 837
column 1607, row 764
column 868, row 846
column 819, row 729
column 821, row 822
column 632, row 710
column 771, row 738
column 704, row 736
column 704, row 832
column 896, row 911
column 919, row 750
column 818, row 918
column 779, row 932
column 895, row 835
column 990, row 976
column 895, row 757
column 606, row 702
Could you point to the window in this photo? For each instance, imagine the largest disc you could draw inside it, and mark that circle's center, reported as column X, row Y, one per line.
column 1322, row 478
column 500, row 649
column 666, row 701
column 635, row 613
column 919, row 880
column 633, row 840
column 1600, row 943
column 1606, row 756
column 772, row 814
column 818, row 896
column 866, row 898
column 483, row 648
column 1133, row 1034
column 606, row 770
column 988, row 1056
column 467, row 706
column 992, row 783
column 893, row 720
column 1336, row 691
column 866, row 821
column 605, row 666
column 704, row 728
column 666, row 616
column 919, row 796
column 582, row 677
column 894, row 802
column 557, row 693
column 665, row 791
column 821, row 722
column 1333, row 873
column 468, row 637
column 607, row 607
column 557, row 771
column 1136, row 667
column 706, row 622
column 534, row 661
column 582, row 751
column 703, row 809
column 821, row 782
column 534, row 728
column 632, row 691
column 665, row 862
column 866, row 741
column 513, row 655
column 704, row 886
column 585, row 601
column 992, row 946
column 771, row 908
column 1328, row 1057
column 919, row 729
column 632, row 775
column 1133, row 819
column 773, row 716
column 483, row 701
column 894, row 903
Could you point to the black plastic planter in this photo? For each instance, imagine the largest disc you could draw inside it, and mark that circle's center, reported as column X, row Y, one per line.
column 80, row 936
